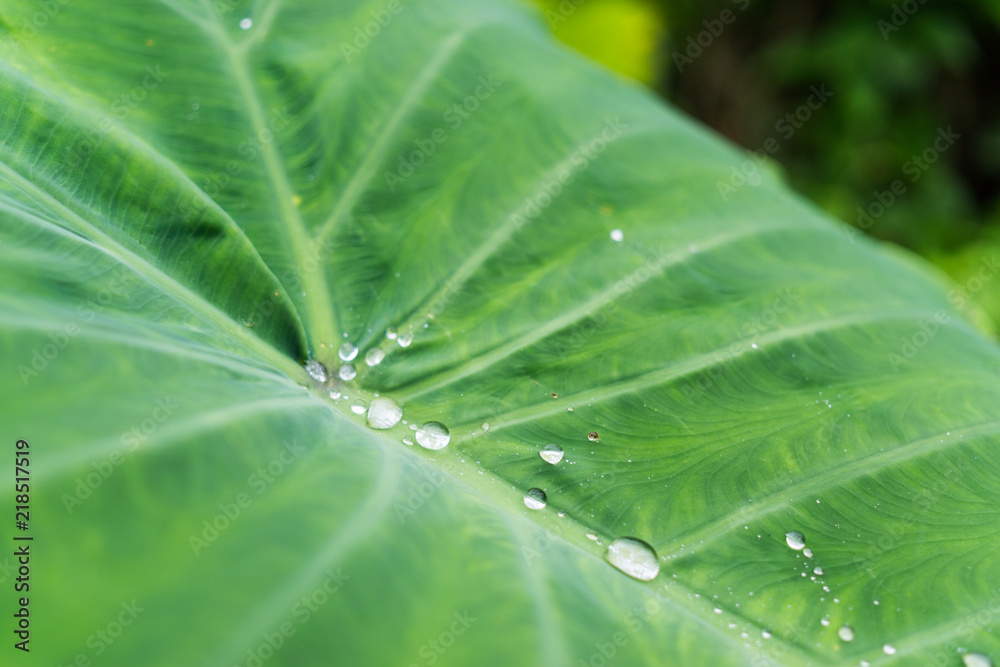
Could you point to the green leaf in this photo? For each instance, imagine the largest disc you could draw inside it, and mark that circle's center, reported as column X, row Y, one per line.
column 190, row 210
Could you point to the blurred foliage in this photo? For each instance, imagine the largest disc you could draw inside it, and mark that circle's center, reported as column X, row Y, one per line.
column 901, row 74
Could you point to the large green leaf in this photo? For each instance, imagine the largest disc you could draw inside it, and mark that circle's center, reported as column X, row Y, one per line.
column 190, row 210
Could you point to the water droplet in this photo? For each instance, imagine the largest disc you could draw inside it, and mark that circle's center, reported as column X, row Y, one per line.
column 765, row 634
column 617, row 235
column 593, row 437
column 976, row 660
column 374, row 356
column 591, row 536
column 807, row 552
column 795, row 539
column 433, row 435
column 316, row 370
column 825, row 621
column 347, row 372
column 246, row 24
column 334, row 394
column 391, row 333
column 634, row 557
column 889, row 649
column 407, row 441
column 347, row 352
column 846, row 633
column 551, row 454
column 486, row 426
column 384, row 413
column 818, row 571
column 534, row 499
column 359, row 406
column 404, row 340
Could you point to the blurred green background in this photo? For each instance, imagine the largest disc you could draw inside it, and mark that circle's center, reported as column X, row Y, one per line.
column 901, row 74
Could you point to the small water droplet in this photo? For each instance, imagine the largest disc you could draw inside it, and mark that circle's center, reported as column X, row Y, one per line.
column 593, row 437
column 334, row 394
column 316, row 370
column 551, row 454
column 846, row 633
column 765, row 634
column 246, row 24
column 591, row 536
column 818, row 571
column 347, row 352
column 535, row 499
column 407, row 441
column 889, row 649
column 374, row 356
column 807, row 552
column 486, row 426
column 795, row 539
column 347, row 372
column 359, row 406
column 634, row 557
column 384, row 413
column 825, row 621
column 433, row 435
column 391, row 333
column 404, row 340
column 617, row 235
column 975, row 659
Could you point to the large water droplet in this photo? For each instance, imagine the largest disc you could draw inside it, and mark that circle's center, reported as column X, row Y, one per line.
column 391, row 333
column 807, row 552
column 977, row 660
column 633, row 557
column 374, row 356
column 359, row 406
column 795, row 539
column 889, row 649
column 617, row 235
column 384, row 413
column 551, row 454
column 347, row 352
column 316, row 370
column 818, row 571
column 433, row 435
column 535, row 499
column 593, row 436
column 246, row 24
column 404, row 340
column 846, row 633
column 347, row 372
